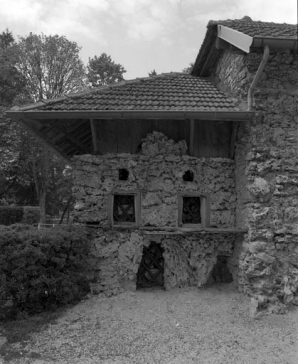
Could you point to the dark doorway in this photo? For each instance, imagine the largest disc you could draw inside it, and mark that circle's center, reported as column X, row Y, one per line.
column 220, row 272
column 151, row 270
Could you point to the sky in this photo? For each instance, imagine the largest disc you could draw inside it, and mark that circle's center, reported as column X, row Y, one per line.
column 141, row 35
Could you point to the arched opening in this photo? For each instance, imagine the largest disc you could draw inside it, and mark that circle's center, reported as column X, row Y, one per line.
column 151, row 270
column 220, row 272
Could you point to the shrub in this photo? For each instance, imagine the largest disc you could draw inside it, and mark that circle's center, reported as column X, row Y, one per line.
column 31, row 215
column 26, row 215
column 42, row 269
column 10, row 215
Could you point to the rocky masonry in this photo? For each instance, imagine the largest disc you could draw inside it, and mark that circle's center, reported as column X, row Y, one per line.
column 266, row 170
column 256, row 192
column 157, row 172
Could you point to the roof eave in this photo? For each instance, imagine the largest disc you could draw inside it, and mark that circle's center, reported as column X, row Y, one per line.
column 133, row 114
column 239, row 40
column 274, row 43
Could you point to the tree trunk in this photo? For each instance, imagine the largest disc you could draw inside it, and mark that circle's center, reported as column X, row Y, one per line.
column 42, row 206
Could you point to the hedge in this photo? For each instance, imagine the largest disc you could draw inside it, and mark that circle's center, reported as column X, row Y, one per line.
column 21, row 214
column 42, row 269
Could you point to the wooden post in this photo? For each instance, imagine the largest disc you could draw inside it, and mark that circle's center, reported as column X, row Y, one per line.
column 233, row 138
column 94, row 137
column 191, row 136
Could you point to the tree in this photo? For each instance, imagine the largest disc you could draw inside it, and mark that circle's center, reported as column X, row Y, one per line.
column 12, row 83
column 152, row 73
column 6, row 39
column 189, row 68
column 103, row 71
column 50, row 65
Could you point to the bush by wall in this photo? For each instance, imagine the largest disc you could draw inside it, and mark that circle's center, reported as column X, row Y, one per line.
column 42, row 269
column 31, row 215
column 20, row 214
column 10, row 215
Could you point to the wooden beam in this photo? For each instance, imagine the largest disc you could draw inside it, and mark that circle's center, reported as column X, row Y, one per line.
column 73, row 139
column 36, row 134
column 94, row 137
column 134, row 114
column 233, row 138
column 191, row 136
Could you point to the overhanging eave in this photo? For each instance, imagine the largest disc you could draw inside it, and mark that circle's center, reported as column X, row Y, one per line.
column 129, row 114
column 274, row 43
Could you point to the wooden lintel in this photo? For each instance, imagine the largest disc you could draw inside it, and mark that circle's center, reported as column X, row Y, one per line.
column 233, row 139
column 94, row 137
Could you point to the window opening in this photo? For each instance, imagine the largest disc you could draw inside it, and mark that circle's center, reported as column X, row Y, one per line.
column 124, row 208
column 151, row 270
column 188, row 176
column 123, row 174
column 191, row 212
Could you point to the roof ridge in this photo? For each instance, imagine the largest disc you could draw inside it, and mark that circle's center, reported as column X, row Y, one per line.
column 86, row 92
column 245, row 19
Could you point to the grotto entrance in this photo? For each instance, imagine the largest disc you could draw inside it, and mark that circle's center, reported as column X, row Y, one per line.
column 220, row 272
column 151, row 270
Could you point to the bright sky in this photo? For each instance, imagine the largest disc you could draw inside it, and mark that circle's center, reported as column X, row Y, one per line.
column 142, row 35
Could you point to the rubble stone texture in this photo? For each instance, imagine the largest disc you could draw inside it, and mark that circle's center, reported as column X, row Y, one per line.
column 157, row 171
column 266, row 170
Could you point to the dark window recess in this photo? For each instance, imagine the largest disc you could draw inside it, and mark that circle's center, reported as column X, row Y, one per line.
column 151, row 270
column 124, row 208
column 191, row 212
column 188, row 176
column 123, row 174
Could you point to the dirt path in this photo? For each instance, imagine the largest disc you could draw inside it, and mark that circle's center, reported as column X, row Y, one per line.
column 210, row 325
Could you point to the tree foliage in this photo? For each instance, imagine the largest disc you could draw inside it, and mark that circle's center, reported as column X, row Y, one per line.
column 152, row 73
column 29, row 173
column 50, row 65
column 103, row 70
column 189, row 68
column 12, row 83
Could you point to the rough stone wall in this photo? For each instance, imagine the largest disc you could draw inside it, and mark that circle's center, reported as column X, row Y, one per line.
column 267, row 176
column 189, row 259
column 157, row 171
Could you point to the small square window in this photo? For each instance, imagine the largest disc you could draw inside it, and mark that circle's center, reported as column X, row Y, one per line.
column 193, row 209
column 124, row 208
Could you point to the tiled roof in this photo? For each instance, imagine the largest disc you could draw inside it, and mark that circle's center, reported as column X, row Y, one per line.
column 259, row 28
column 168, row 92
column 209, row 53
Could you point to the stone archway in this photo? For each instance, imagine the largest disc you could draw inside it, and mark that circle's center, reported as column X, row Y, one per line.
column 151, row 269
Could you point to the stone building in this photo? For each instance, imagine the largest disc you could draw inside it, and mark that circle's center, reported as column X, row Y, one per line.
column 187, row 179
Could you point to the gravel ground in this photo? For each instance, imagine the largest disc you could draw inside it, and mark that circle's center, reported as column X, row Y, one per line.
column 208, row 326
